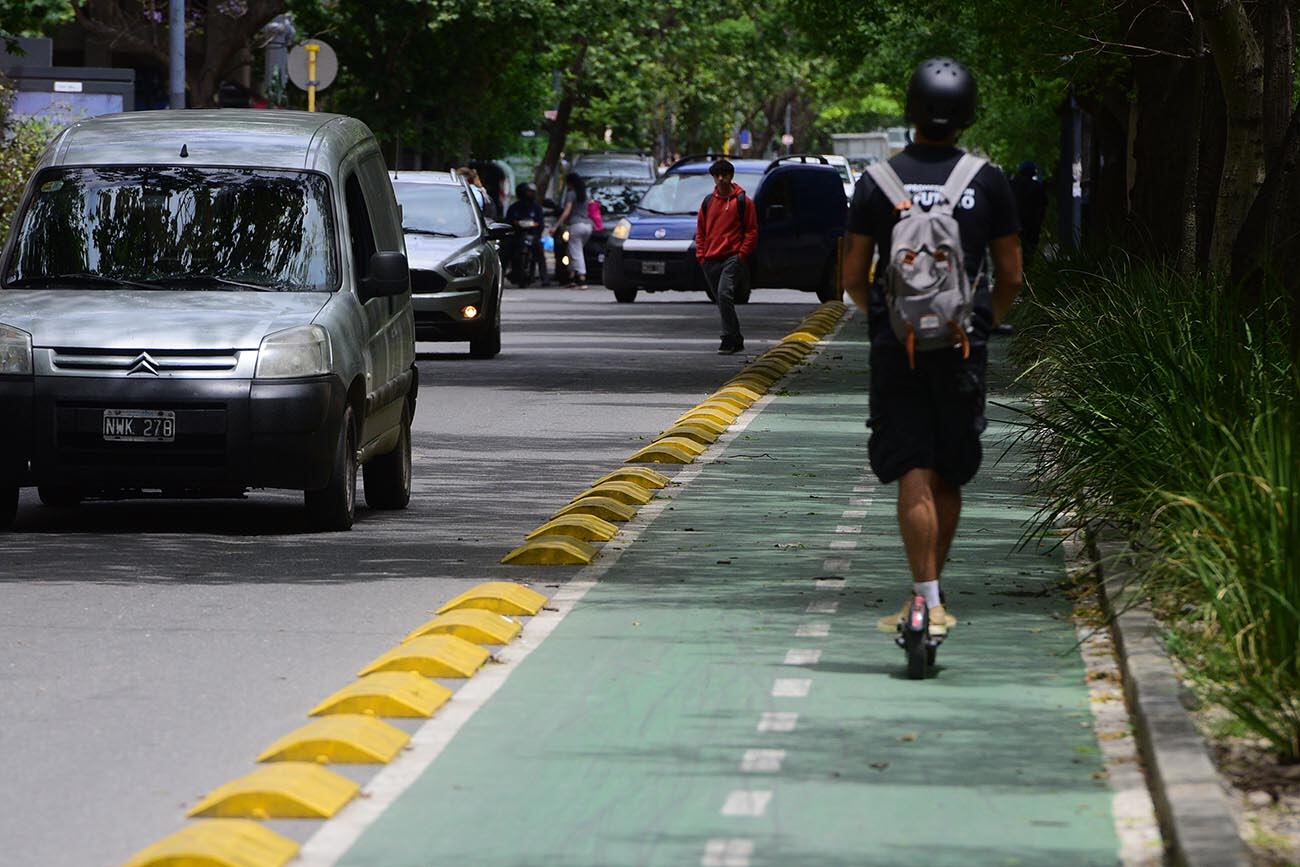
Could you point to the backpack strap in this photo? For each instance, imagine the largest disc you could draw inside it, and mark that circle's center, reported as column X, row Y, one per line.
column 740, row 206
column 890, row 184
column 962, row 174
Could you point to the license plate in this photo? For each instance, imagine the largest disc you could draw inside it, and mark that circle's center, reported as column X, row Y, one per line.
column 139, row 425
column 652, row 267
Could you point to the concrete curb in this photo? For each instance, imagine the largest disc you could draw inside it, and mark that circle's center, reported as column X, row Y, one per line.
column 1192, row 808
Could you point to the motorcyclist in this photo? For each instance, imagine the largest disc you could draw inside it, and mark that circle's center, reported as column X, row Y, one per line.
column 525, row 214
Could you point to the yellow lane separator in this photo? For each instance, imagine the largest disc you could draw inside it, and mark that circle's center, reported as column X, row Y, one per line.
column 802, row 336
column 602, row 507
column 683, row 443
column 432, row 656
column 386, row 693
column 350, row 739
column 470, row 624
column 661, row 453
column 552, row 551
column 643, row 476
column 218, row 843
column 699, row 433
column 284, row 790
column 722, row 412
column 701, row 420
column 624, row 492
column 503, row 597
column 588, row 528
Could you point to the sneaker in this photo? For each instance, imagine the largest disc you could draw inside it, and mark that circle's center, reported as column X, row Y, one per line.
column 727, row 347
column 941, row 619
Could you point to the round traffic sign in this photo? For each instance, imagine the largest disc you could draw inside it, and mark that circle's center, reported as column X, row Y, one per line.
column 327, row 65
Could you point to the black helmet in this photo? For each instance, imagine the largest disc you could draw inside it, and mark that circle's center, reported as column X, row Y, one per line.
column 941, row 98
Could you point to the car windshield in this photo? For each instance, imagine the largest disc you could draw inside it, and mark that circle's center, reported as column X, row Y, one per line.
column 176, row 228
column 614, row 167
column 617, row 200
column 682, row 193
column 436, row 209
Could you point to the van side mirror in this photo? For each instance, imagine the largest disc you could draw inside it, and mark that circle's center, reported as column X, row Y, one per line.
column 500, row 231
column 386, row 275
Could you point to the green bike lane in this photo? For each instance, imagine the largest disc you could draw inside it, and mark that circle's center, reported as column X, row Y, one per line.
column 722, row 697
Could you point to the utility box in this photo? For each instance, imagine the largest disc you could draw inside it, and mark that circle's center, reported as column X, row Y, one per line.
column 869, row 146
column 64, row 94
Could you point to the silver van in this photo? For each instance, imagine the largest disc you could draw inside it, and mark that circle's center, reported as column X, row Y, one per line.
column 195, row 303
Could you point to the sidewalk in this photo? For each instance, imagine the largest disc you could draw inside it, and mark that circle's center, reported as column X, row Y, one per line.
column 718, row 699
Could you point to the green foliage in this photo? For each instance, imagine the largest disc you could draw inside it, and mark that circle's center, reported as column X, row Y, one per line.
column 1172, row 409
column 21, row 145
column 32, row 17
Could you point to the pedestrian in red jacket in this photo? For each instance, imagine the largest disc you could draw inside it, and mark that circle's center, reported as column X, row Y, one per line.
column 726, row 232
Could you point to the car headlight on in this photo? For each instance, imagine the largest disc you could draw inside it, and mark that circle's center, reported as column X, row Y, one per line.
column 294, row 352
column 15, row 351
column 469, row 265
column 622, row 229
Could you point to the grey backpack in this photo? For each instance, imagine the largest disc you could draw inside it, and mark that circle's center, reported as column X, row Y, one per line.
column 930, row 294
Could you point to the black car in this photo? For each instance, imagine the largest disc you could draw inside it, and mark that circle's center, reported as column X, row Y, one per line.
column 617, row 197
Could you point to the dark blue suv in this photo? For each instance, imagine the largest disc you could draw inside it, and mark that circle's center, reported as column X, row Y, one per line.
column 801, row 211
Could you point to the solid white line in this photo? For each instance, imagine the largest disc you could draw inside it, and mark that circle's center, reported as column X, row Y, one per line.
column 762, row 761
column 836, row 564
column 854, row 513
column 802, row 656
column 778, row 721
column 813, row 630
column 843, row 544
column 337, row 835
column 824, row 606
column 746, row 802
column 731, row 852
column 791, row 687
column 848, row 528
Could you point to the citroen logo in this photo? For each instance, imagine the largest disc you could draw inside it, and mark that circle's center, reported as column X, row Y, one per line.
column 143, row 363
column 659, row 233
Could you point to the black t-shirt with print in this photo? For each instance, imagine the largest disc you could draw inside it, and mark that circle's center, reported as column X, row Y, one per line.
column 986, row 211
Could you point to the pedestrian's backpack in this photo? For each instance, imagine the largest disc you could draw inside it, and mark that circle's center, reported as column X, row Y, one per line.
column 930, row 295
column 740, row 207
column 597, row 218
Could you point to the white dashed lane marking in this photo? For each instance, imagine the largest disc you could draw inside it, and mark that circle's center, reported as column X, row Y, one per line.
column 829, row 583
column 844, row 544
column 812, row 630
column 791, row 687
column 836, row 564
column 824, row 606
column 778, row 721
column 762, row 761
column 802, row 656
column 848, row 528
column 732, row 852
column 854, row 513
column 745, row 802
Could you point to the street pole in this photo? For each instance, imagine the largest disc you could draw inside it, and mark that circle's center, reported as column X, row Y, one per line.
column 312, row 49
column 787, row 125
column 176, row 38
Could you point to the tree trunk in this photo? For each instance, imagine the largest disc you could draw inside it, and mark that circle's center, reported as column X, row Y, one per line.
column 1240, row 63
column 1275, row 25
column 558, row 129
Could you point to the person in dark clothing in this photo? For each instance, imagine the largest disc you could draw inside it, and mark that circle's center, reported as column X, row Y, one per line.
column 726, row 233
column 926, row 421
column 1030, row 192
column 526, row 215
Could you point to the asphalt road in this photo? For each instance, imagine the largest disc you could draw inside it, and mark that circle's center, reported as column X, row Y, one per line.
column 150, row 649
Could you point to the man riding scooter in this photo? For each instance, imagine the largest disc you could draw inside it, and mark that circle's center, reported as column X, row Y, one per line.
column 525, row 252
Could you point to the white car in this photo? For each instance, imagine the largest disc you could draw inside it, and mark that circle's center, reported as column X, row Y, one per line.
column 847, row 175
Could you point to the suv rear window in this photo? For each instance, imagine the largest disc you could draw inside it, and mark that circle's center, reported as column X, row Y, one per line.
column 176, row 228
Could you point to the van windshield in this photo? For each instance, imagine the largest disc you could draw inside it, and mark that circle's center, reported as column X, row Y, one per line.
column 683, row 193
column 151, row 227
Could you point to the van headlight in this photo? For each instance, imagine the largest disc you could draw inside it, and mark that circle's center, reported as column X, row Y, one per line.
column 294, row 352
column 15, row 351
column 469, row 265
column 622, row 230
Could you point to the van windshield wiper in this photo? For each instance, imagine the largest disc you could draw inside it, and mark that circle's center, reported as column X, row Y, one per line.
column 218, row 279
column 78, row 277
column 434, row 232
column 653, row 211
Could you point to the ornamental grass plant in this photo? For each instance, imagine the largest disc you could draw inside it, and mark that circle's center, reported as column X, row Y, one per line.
column 1169, row 406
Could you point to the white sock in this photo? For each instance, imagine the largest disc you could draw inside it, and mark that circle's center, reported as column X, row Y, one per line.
column 928, row 589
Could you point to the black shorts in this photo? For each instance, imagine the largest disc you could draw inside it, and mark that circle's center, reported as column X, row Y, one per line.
column 927, row 418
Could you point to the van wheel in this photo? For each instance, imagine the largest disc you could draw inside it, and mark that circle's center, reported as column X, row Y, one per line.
column 8, row 506
column 625, row 295
column 334, row 507
column 388, row 477
column 59, row 496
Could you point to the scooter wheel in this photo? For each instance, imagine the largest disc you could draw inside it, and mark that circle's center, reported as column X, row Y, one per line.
column 931, row 653
column 917, row 656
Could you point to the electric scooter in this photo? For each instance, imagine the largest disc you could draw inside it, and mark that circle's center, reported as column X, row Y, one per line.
column 914, row 637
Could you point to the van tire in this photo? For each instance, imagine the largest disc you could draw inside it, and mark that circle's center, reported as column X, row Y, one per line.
column 624, row 294
column 334, row 507
column 59, row 496
column 388, row 477
column 8, row 506
column 487, row 343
